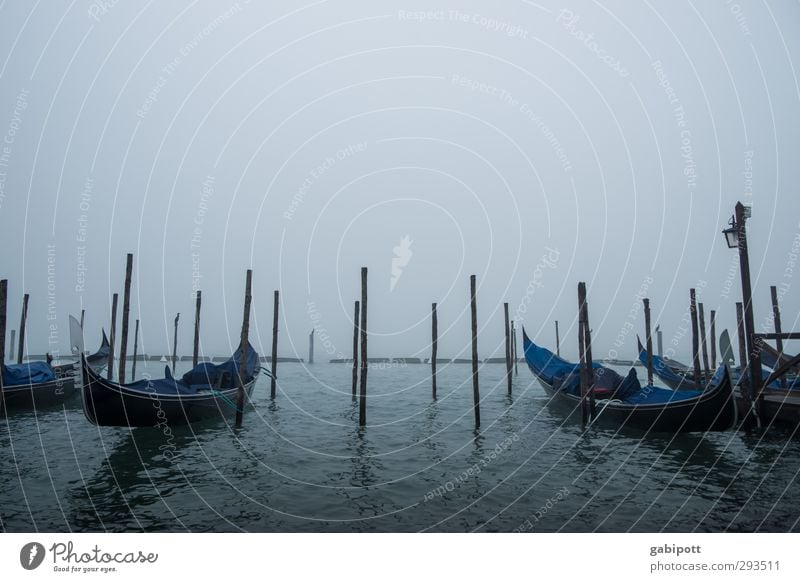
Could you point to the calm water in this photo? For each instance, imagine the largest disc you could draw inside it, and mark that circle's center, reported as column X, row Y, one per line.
column 300, row 463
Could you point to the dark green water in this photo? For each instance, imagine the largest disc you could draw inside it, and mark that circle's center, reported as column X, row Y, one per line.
column 300, row 463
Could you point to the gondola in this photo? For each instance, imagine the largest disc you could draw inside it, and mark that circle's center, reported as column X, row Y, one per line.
column 208, row 391
column 41, row 384
column 624, row 402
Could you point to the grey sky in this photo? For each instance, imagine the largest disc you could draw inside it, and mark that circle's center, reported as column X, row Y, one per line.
column 305, row 141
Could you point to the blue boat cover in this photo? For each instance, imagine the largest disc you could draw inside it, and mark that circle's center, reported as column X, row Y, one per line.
column 663, row 370
column 547, row 365
column 27, row 373
column 203, row 377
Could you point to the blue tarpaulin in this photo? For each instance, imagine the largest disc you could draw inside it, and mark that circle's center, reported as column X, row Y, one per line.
column 27, row 373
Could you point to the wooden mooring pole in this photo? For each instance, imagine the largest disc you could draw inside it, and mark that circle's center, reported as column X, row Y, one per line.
column 476, row 396
column 434, row 347
column 11, row 345
column 244, row 344
column 126, row 310
column 713, row 330
column 743, row 365
column 558, row 341
column 175, row 343
column 22, row 321
column 648, row 340
column 83, row 314
column 112, row 340
column 584, row 376
column 274, row 378
column 508, row 346
column 514, row 355
column 362, row 404
column 3, row 314
column 695, row 336
column 198, row 300
column 776, row 320
column 311, row 347
column 135, row 351
column 356, row 325
column 703, row 342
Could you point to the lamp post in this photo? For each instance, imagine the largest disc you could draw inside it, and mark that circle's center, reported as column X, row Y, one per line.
column 736, row 237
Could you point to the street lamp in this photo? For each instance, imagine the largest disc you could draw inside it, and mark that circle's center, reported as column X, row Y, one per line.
column 736, row 237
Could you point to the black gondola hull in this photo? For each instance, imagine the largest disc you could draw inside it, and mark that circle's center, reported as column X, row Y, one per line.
column 42, row 395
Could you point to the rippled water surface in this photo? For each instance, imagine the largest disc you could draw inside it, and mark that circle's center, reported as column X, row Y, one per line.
column 300, row 463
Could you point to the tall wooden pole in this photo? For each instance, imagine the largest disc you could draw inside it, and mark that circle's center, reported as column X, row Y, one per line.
column 175, row 343
column 3, row 314
column 704, row 345
column 22, row 320
column 356, row 326
column 695, row 337
column 713, row 323
column 274, row 377
column 113, row 339
column 11, row 345
column 244, row 344
column 776, row 318
column 508, row 346
column 434, row 347
column 754, row 353
column 476, row 396
column 743, row 364
column 126, row 310
column 196, row 348
column 649, row 340
column 311, row 347
column 558, row 341
column 362, row 404
column 514, row 355
column 135, row 351
column 83, row 314
column 585, row 345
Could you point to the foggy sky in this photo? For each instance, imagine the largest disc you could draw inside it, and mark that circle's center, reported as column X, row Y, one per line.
column 535, row 145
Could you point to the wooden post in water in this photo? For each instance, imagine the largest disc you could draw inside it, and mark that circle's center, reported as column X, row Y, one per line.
column 703, row 343
column 196, row 348
column 695, row 337
column 311, row 347
column 274, row 378
column 776, row 318
column 362, row 404
column 3, row 309
column 135, row 352
column 434, row 347
column 648, row 340
column 476, row 396
column 83, row 314
column 244, row 342
column 11, row 345
column 22, row 320
column 558, row 341
column 743, row 365
column 356, row 325
column 514, row 355
column 126, row 310
column 508, row 346
column 112, row 340
column 175, row 343
column 583, row 371
column 713, row 328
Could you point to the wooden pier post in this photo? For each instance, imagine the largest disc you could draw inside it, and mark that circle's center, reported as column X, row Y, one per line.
column 311, row 347
column 476, row 396
column 356, row 326
column 434, row 347
column 713, row 329
column 175, row 343
column 11, row 345
column 514, row 355
column 3, row 313
column 22, row 320
column 558, row 341
column 196, row 348
column 776, row 318
column 585, row 347
column 703, row 342
column 362, row 405
column 83, row 314
column 508, row 346
column 695, row 337
column 126, row 310
column 274, row 378
column 743, row 364
column 648, row 340
column 135, row 352
column 112, row 340
column 244, row 343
